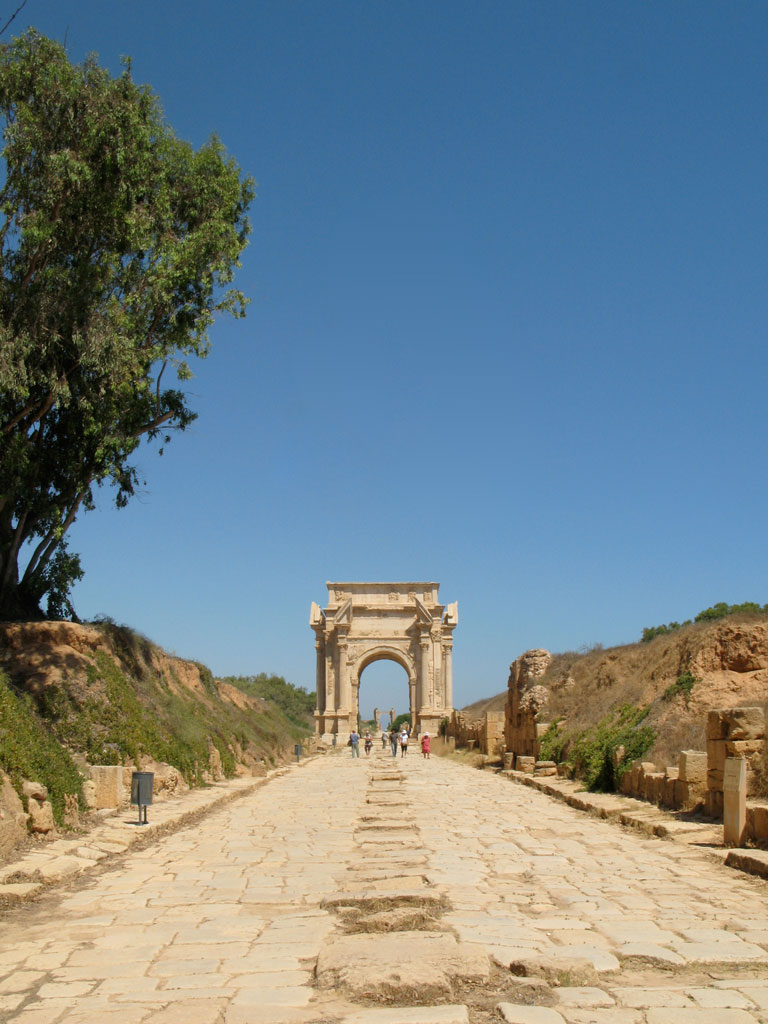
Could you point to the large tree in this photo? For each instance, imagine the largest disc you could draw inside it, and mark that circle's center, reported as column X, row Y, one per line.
column 117, row 245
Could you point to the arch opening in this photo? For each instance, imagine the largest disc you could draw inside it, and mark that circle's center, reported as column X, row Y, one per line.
column 384, row 687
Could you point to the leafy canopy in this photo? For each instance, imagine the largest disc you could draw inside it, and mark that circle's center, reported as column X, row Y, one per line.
column 118, row 242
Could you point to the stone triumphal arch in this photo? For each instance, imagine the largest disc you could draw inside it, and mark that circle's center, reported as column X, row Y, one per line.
column 367, row 622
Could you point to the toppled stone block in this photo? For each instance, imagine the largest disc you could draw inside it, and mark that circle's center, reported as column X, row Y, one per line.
column 525, row 764
column 544, row 768
column 41, row 816
column 692, row 766
column 89, row 794
column 110, row 789
column 34, row 790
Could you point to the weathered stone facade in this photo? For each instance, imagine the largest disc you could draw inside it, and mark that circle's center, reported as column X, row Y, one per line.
column 367, row 622
column 525, row 702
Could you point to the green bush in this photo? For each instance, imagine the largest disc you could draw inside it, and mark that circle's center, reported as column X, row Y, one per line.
column 682, row 687
column 717, row 611
column 591, row 751
column 294, row 701
column 28, row 750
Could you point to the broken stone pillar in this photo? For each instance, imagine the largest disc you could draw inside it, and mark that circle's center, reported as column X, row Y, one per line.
column 734, row 801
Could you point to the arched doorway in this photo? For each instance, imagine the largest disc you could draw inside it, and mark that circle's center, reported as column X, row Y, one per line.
column 368, row 622
column 378, row 655
column 384, row 692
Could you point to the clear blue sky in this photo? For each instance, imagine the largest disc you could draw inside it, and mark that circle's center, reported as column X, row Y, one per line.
column 507, row 330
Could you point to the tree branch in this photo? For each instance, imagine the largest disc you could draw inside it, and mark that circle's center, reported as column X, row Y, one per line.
column 18, row 10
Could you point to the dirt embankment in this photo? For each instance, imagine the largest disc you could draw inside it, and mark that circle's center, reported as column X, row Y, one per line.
column 728, row 661
column 74, row 696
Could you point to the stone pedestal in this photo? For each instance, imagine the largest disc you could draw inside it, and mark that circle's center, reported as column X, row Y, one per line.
column 734, row 801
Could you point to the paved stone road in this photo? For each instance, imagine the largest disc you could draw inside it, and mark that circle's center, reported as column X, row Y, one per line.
column 376, row 891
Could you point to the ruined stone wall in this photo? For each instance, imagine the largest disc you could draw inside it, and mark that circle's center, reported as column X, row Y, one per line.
column 485, row 734
column 526, row 702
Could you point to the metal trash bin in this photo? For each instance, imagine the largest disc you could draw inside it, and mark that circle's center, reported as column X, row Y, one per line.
column 298, row 751
column 142, row 789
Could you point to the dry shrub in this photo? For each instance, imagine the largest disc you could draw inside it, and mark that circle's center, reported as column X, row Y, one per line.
column 680, row 733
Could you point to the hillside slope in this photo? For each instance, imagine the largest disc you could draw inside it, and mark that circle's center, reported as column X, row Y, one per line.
column 75, row 695
column 672, row 681
column 727, row 660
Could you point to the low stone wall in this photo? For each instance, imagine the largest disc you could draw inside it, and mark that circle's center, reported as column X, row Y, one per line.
column 682, row 787
column 696, row 782
column 485, row 734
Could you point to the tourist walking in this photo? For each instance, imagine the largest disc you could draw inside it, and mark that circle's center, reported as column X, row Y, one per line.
column 368, row 742
column 403, row 743
column 354, row 742
column 425, row 746
column 384, row 738
column 393, row 742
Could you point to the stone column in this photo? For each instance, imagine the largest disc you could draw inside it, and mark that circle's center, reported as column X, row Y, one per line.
column 332, row 702
column 426, row 687
column 448, row 675
column 345, row 697
column 320, row 676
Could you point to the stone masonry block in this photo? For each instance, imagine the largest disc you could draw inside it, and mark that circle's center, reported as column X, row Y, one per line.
column 743, row 723
column 715, row 778
column 671, row 773
column 713, row 803
column 715, row 725
column 757, row 822
column 743, row 748
column 688, row 794
column 692, row 766
column 525, row 764
column 108, row 780
column 716, row 755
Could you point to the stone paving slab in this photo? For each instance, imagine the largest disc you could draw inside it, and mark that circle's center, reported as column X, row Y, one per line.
column 225, row 921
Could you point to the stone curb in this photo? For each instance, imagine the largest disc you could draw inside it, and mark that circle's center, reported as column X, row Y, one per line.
column 64, row 859
column 647, row 818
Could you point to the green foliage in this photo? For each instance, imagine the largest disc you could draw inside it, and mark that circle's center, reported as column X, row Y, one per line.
column 398, row 722
column 717, row 611
column 294, row 701
column 118, row 243
column 591, row 751
column 128, row 710
column 720, row 610
column 683, row 686
column 28, row 750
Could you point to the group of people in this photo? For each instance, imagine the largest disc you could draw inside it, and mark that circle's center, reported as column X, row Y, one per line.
column 397, row 739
